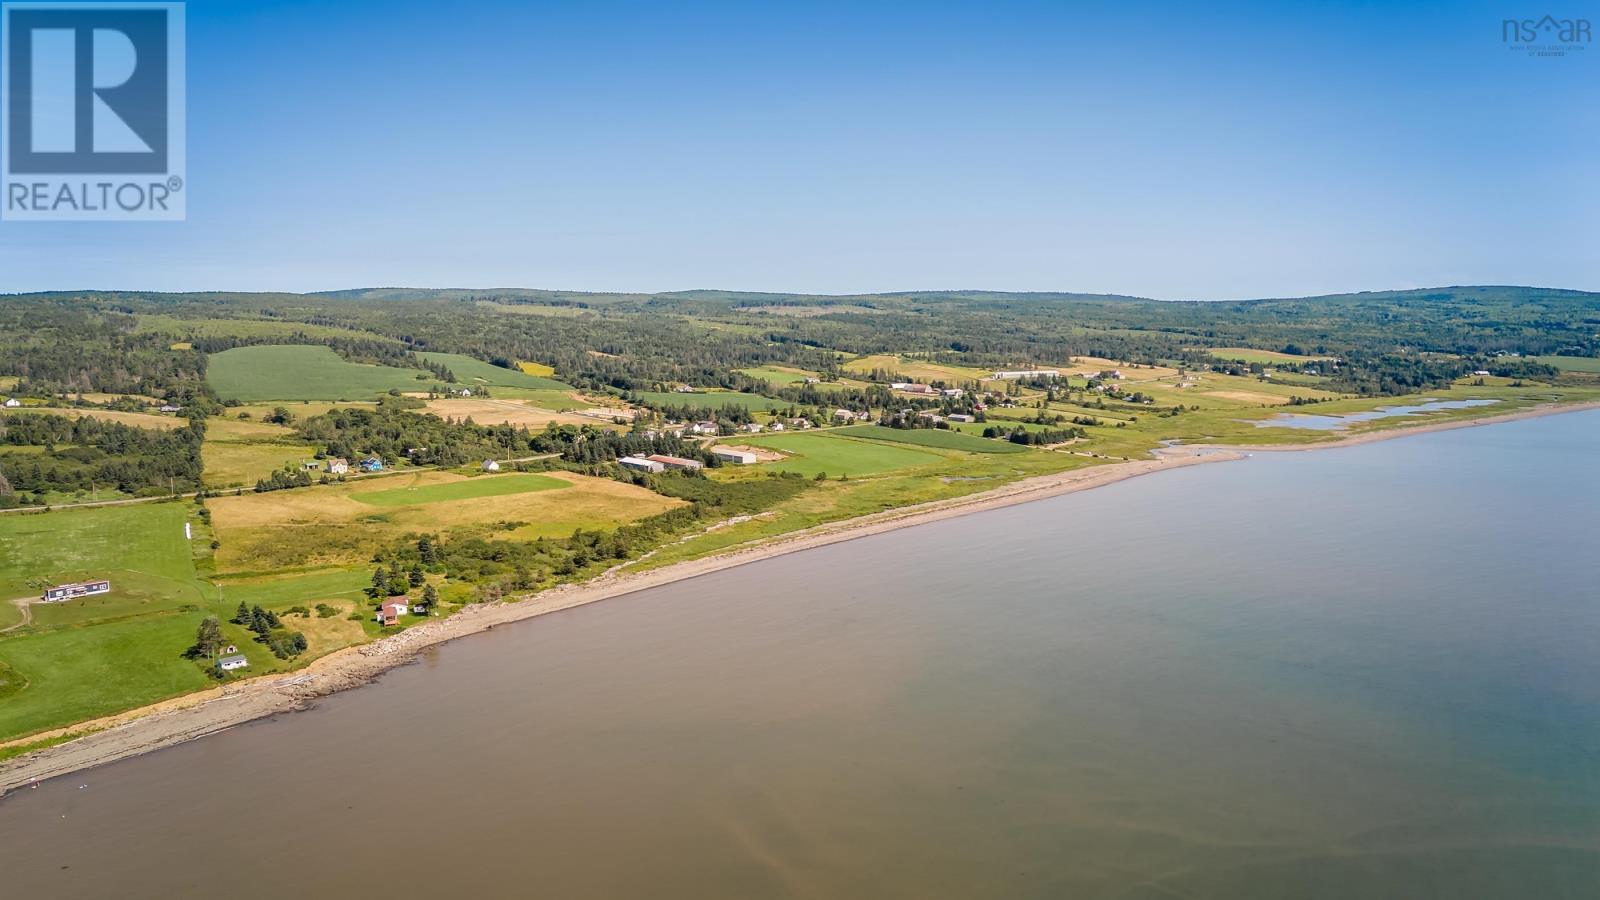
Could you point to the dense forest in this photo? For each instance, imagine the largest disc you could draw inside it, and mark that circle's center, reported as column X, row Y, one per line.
column 41, row 453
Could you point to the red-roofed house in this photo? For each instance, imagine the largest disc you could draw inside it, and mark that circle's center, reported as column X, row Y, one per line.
column 392, row 609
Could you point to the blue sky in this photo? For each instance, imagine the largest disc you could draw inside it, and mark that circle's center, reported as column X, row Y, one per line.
column 1177, row 151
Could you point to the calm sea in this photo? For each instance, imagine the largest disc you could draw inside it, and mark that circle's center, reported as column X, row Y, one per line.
column 1370, row 672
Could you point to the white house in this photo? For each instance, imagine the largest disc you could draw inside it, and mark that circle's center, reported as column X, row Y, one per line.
column 737, row 457
column 843, row 415
column 338, row 466
column 641, row 464
column 391, row 610
column 775, row 426
column 490, row 465
column 65, row 592
column 703, row 428
column 236, row 661
column 12, row 403
column 1480, row 373
column 961, row 417
column 169, row 408
column 750, row 427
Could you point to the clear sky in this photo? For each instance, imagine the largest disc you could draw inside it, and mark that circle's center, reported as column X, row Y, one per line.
column 1190, row 150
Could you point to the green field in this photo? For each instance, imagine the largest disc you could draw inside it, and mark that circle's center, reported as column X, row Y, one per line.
column 714, row 400
column 304, row 372
column 1571, row 363
column 470, row 489
column 833, row 454
column 1264, row 357
column 934, row 437
column 98, row 655
column 469, row 371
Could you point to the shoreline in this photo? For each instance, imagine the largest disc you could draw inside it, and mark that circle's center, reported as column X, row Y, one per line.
column 181, row 719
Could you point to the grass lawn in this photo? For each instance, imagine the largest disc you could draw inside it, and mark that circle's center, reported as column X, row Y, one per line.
column 933, row 437
column 469, row 371
column 304, row 372
column 1571, row 363
column 98, row 655
column 81, row 673
column 712, row 400
column 471, row 488
column 835, row 454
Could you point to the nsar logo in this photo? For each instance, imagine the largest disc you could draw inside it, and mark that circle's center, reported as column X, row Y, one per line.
column 93, row 106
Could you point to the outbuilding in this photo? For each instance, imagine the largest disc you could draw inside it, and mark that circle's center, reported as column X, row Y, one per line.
column 641, row 464
column 737, row 457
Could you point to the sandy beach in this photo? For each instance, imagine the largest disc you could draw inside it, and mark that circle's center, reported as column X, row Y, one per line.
column 196, row 715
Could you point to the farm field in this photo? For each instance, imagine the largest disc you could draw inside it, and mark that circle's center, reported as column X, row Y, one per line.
column 917, row 370
column 245, row 328
column 1264, row 357
column 241, row 452
column 835, row 455
column 494, row 411
column 1571, row 363
column 303, row 372
column 466, row 489
column 136, row 420
column 470, row 371
column 97, row 655
column 714, row 400
column 538, row 369
column 332, row 525
column 931, row 437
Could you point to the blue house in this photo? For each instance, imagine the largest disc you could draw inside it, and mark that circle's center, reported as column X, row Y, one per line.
column 372, row 464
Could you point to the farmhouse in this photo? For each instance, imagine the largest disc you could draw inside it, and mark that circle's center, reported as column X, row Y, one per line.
column 703, row 428
column 641, row 464
column 12, row 403
column 674, row 462
column 392, row 609
column 1014, row 374
column 236, row 661
column 843, row 415
column 67, row 592
column 490, row 465
column 372, row 464
column 338, row 466
column 750, row 427
column 737, row 457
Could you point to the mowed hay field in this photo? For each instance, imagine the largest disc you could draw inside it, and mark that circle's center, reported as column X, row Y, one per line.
column 239, row 452
column 833, row 454
column 504, row 412
column 340, row 524
column 470, row 371
column 1264, row 357
column 98, row 655
column 931, row 437
column 303, row 372
column 916, row 370
column 136, row 420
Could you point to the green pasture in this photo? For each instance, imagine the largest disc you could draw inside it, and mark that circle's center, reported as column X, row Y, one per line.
column 469, row 489
column 469, row 371
column 931, row 437
column 304, row 372
column 837, row 455
column 712, row 400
